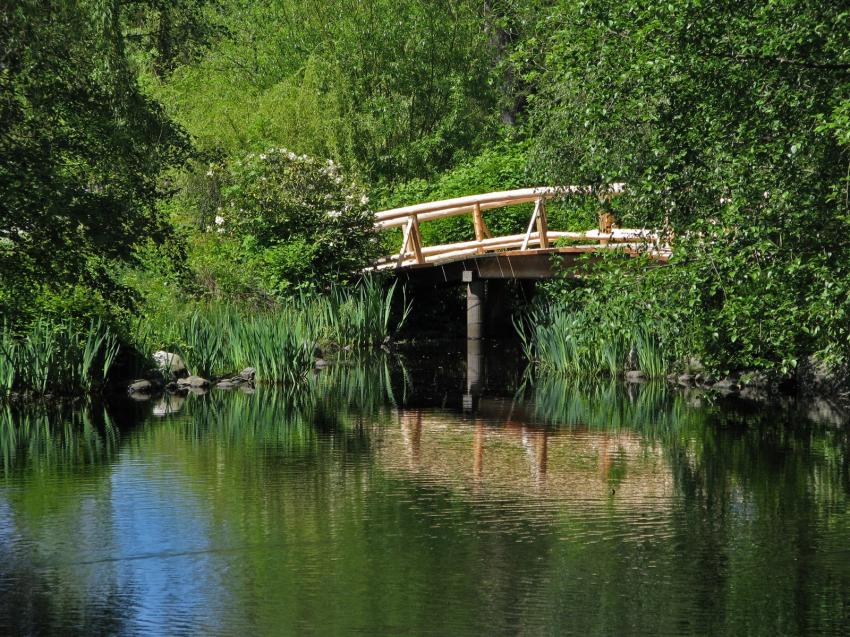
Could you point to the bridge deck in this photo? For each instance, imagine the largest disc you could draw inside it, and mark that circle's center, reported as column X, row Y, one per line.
column 535, row 264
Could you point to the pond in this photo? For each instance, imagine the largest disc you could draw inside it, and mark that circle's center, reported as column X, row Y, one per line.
column 400, row 499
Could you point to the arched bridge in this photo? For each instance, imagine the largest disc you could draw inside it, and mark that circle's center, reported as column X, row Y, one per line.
column 538, row 253
column 518, row 256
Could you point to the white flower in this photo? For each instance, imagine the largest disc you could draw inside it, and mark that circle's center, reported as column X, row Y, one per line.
column 219, row 220
column 333, row 214
column 262, row 156
column 292, row 156
column 209, row 173
column 364, row 200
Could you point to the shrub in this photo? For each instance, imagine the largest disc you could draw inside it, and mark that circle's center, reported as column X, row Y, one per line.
column 299, row 223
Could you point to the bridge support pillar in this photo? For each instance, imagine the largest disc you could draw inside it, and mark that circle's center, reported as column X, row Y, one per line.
column 475, row 299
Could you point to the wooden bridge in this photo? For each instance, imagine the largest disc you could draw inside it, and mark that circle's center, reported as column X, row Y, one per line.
column 539, row 253
column 510, row 256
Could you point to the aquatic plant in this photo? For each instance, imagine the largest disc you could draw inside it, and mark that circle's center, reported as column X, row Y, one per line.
column 201, row 343
column 279, row 345
column 573, row 343
column 57, row 358
column 279, row 342
column 360, row 317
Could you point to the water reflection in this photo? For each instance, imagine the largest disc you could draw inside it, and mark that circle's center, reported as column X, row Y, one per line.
column 382, row 501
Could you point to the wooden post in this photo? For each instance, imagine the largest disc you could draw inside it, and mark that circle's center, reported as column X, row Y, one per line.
column 542, row 224
column 481, row 230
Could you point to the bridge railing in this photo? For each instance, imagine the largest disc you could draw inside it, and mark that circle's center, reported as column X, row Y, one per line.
column 537, row 236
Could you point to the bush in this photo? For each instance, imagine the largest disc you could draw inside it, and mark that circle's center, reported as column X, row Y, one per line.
column 297, row 223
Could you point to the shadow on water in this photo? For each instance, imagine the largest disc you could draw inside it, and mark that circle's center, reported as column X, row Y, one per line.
column 431, row 494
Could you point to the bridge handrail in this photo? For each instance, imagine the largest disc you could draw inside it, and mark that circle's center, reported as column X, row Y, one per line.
column 413, row 251
column 460, row 205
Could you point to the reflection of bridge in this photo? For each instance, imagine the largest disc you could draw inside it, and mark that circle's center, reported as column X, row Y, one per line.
column 498, row 449
column 536, row 254
column 498, row 443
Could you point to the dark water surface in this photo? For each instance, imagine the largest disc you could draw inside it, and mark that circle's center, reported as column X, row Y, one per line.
column 398, row 501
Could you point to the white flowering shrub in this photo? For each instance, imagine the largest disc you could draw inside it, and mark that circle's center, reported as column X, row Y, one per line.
column 301, row 223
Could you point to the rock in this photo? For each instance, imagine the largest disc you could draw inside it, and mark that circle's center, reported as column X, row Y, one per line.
column 248, row 374
column 227, row 383
column 317, row 351
column 246, row 389
column 756, row 394
column 635, row 376
column 140, row 396
column 694, row 365
column 727, row 384
column 168, row 405
column 321, row 363
column 672, row 377
column 172, row 387
column 193, row 381
column 168, row 362
column 140, row 387
column 686, row 380
column 198, row 391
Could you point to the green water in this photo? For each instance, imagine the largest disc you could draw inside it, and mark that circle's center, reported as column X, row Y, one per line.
column 390, row 501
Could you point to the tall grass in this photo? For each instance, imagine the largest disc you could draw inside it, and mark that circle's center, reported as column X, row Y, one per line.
column 56, row 358
column 358, row 317
column 570, row 342
column 279, row 343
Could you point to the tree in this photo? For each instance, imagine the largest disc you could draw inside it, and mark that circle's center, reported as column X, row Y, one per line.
column 82, row 150
column 728, row 122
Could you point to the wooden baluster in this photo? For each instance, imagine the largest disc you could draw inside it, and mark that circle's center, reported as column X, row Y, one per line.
column 542, row 224
column 416, row 240
column 534, row 214
column 405, row 238
column 478, row 223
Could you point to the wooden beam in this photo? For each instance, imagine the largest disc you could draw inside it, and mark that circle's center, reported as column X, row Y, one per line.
column 396, row 222
column 478, row 224
column 405, row 239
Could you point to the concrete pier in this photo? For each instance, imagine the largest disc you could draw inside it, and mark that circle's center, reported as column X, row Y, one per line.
column 475, row 298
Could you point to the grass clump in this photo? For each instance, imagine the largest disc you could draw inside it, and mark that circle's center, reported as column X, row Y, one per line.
column 570, row 342
column 278, row 342
column 56, row 358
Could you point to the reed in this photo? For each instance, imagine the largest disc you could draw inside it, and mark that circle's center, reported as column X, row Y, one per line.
column 220, row 338
column 576, row 343
column 360, row 316
column 57, row 358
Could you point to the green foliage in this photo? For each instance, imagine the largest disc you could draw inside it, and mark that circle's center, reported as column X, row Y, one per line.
column 394, row 87
column 617, row 317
